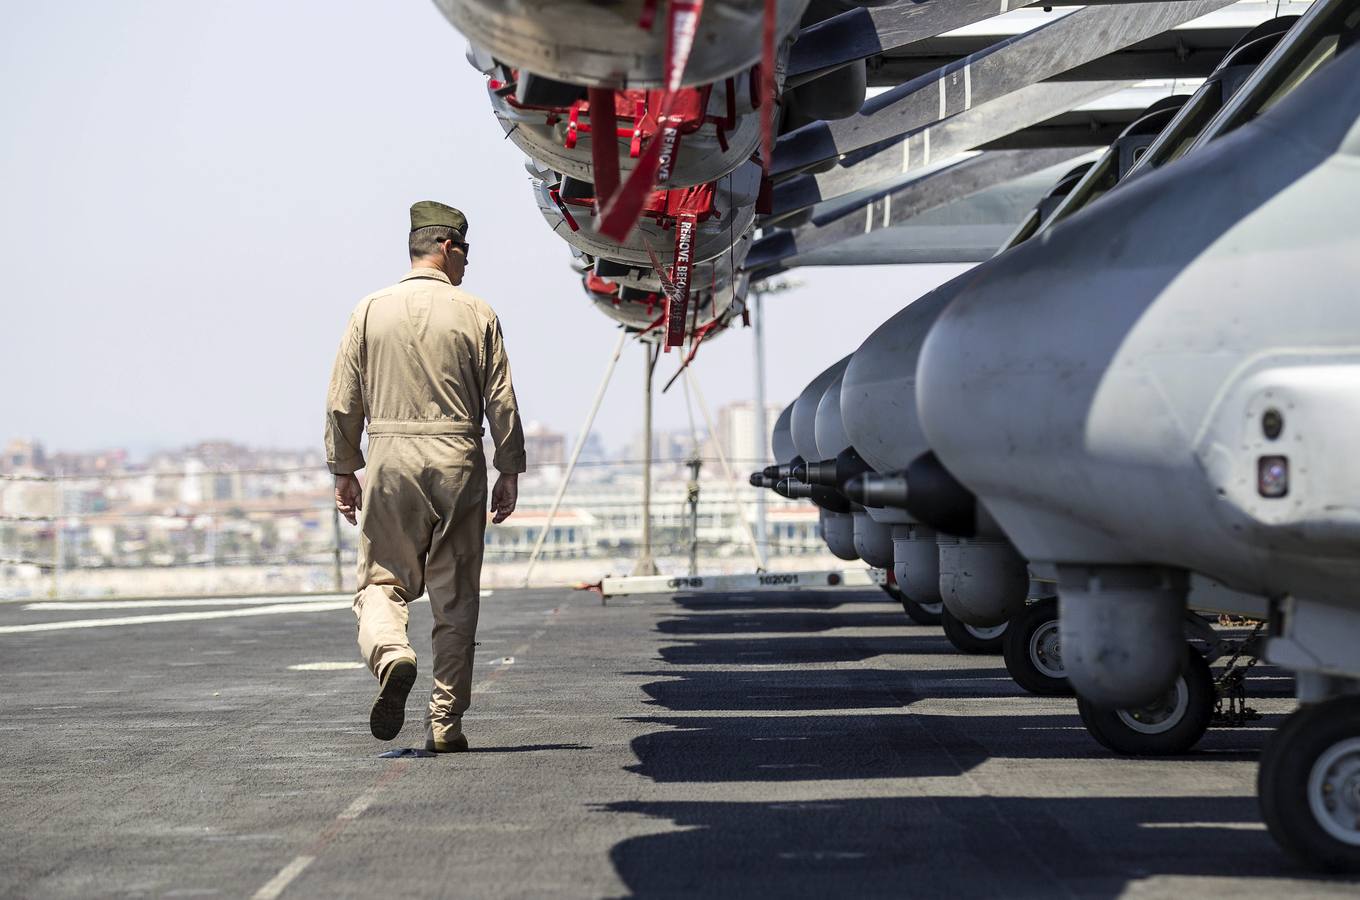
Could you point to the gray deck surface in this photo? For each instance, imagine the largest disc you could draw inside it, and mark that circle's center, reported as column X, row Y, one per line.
column 739, row 745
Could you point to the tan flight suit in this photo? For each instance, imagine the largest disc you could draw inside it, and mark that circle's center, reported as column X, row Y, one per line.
column 422, row 361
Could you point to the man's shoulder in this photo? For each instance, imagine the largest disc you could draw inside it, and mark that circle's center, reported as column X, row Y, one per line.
column 478, row 305
column 370, row 299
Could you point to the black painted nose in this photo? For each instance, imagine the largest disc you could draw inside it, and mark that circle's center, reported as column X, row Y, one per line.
column 873, row 489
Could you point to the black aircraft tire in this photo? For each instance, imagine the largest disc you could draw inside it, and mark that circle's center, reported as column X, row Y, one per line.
column 915, row 611
column 966, row 640
column 922, row 615
column 1182, row 728
column 1294, row 804
column 1030, row 649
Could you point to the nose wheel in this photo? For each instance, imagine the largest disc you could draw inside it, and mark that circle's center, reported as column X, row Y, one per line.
column 1033, row 651
column 1309, row 785
column 920, row 613
column 970, row 638
column 1169, row 725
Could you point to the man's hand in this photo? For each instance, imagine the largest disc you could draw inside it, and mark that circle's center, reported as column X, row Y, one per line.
column 504, row 495
column 349, row 496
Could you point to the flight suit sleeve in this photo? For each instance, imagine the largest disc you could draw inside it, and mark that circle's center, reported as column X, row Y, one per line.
column 345, row 403
column 502, row 409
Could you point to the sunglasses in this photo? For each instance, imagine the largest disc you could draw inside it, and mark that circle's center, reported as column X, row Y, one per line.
column 462, row 245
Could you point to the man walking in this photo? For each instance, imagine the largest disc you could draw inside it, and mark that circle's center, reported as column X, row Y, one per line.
column 422, row 362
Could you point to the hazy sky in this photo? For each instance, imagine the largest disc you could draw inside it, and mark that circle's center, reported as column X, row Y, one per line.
column 194, row 195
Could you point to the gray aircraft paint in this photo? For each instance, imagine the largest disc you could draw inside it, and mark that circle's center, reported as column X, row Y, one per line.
column 600, row 44
column 827, row 429
column 803, row 423
column 837, row 528
column 896, row 207
column 1135, row 402
column 969, row 229
column 1138, row 430
column 919, row 151
column 872, row 541
column 1035, row 56
column 781, row 440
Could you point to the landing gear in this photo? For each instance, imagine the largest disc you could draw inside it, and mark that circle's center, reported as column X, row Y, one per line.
column 1032, row 650
column 970, row 638
column 1230, row 701
column 1170, row 725
column 1309, row 785
column 920, row 613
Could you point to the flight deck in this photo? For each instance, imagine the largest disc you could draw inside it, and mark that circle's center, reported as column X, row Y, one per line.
column 813, row 743
column 1104, row 480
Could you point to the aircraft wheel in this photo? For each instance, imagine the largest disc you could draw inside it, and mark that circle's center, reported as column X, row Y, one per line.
column 920, row 613
column 969, row 638
column 1033, row 654
column 923, row 613
column 1170, row 725
column 1309, row 785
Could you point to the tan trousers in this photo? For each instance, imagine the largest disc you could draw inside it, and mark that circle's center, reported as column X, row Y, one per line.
column 422, row 527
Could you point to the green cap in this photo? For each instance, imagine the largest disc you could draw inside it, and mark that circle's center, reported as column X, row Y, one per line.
column 431, row 212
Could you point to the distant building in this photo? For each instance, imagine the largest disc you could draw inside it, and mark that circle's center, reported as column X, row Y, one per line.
column 24, row 455
column 794, row 530
column 189, row 479
column 94, row 462
column 544, row 447
column 571, row 535
column 737, row 433
column 219, row 455
column 593, row 450
column 666, row 446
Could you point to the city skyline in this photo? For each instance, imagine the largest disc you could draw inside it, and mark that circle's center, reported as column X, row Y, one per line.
column 547, row 447
column 218, row 515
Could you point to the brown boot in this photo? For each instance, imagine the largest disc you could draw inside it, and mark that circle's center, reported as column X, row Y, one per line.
column 452, row 745
column 389, row 709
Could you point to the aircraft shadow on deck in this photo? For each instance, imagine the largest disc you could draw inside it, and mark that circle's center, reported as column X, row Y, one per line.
column 957, row 847
column 784, row 689
column 786, row 622
column 778, row 600
column 700, row 749
column 832, row 747
column 738, row 650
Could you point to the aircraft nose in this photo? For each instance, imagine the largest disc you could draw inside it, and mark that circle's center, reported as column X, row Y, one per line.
column 878, row 490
